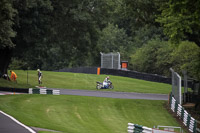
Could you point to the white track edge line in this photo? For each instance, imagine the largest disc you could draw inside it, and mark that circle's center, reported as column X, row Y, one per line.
column 28, row 128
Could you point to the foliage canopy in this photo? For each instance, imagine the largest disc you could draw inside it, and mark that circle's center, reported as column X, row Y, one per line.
column 51, row 35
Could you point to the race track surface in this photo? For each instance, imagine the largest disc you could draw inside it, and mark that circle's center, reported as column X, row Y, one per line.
column 8, row 124
column 111, row 94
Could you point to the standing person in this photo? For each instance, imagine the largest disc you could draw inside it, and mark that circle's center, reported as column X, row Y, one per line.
column 39, row 76
column 13, row 76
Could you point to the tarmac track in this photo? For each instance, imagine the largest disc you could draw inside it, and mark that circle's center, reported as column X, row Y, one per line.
column 112, row 94
column 8, row 124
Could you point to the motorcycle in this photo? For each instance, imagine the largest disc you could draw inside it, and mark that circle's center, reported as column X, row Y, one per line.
column 108, row 86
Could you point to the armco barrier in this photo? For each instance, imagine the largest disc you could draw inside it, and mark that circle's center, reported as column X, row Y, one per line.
column 31, row 91
column 56, row 92
column 188, row 121
column 135, row 128
column 43, row 91
column 14, row 89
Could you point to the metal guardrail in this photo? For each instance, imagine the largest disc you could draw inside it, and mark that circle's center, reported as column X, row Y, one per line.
column 44, row 91
column 188, row 121
column 135, row 128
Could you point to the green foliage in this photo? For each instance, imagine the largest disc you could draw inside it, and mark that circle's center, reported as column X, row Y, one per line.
column 16, row 64
column 33, row 30
column 180, row 20
column 187, row 57
column 164, row 55
column 152, row 57
column 57, row 34
column 137, row 14
column 114, row 39
column 158, row 56
column 146, row 33
column 7, row 14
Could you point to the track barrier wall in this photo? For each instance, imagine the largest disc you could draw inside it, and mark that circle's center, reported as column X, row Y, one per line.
column 21, row 90
column 43, row 91
column 31, row 91
column 119, row 72
column 188, row 121
column 135, row 128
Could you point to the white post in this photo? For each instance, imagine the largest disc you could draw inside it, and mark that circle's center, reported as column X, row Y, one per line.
column 101, row 59
column 119, row 60
column 179, row 87
column 172, row 80
column 30, row 91
column 112, row 60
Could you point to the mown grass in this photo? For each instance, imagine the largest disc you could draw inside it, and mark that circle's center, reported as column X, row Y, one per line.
column 87, row 81
column 81, row 114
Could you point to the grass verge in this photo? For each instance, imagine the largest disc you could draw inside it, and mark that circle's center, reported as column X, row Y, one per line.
column 86, row 81
column 75, row 114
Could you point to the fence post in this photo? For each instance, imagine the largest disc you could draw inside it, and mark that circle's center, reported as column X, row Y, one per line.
column 195, row 126
column 188, row 120
column 182, row 113
column 30, row 91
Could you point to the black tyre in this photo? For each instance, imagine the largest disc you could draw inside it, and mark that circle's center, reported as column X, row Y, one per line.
column 111, row 87
column 98, row 87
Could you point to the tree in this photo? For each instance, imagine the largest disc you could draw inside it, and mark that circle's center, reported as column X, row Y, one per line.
column 180, row 19
column 114, row 39
column 136, row 14
column 158, row 56
column 76, row 24
column 7, row 14
column 187, row 57
column 33, row 29
column 60, row 33
column 152, row 57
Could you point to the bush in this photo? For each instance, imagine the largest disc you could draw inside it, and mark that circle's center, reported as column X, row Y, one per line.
column 158, row 56
column 17, row 64
column 187, row 57
column 152, row 58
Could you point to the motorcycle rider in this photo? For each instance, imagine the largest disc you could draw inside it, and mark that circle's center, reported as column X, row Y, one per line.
column 105, row 82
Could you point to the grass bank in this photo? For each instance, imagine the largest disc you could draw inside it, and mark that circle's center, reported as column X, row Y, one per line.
column 80, row 114
column 86, row 81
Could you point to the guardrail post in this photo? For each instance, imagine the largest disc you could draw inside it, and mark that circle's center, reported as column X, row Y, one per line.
column 36, row 91
column 49, row 92
column 56, row 92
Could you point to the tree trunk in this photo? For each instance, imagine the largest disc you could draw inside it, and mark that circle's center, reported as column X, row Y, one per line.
column 5, row 57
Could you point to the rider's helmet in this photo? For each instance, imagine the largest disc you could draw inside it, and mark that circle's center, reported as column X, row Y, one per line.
column 108, row 77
